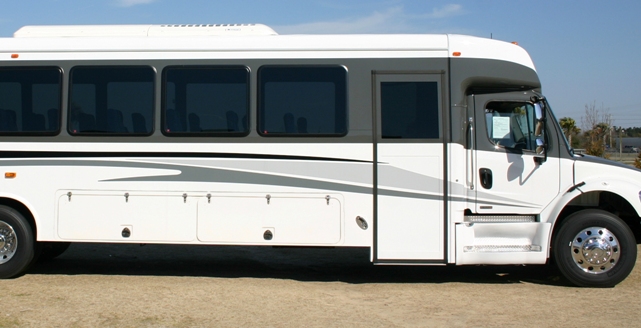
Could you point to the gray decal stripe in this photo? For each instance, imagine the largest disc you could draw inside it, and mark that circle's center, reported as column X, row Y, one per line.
column 214, row 175
column 199, row 174
column 202, row 174
column 357, row 173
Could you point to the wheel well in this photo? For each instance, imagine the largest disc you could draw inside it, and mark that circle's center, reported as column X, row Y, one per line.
column 22, row 209
column 606, row 201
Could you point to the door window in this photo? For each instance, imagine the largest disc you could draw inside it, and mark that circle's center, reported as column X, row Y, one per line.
column 409, row 110
column 512, row 124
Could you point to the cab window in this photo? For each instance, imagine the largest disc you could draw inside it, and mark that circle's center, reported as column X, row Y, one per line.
column 511, row 124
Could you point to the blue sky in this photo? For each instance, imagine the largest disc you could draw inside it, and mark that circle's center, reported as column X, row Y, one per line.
column 585, row 51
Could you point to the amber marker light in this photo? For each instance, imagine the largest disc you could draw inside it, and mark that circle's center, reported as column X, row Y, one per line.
column 515, row 43
column 9, row 175
column 15, row 56
column 456, row 54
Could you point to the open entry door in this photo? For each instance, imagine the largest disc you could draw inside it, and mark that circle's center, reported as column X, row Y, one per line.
column 409, row 173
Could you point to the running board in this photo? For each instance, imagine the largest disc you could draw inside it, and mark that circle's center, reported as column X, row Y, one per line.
column 501, row 242
column 499, row 218
column 501, row 248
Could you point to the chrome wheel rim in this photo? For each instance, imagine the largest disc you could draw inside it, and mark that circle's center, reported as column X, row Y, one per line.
column 8, row 242
column 595, row 250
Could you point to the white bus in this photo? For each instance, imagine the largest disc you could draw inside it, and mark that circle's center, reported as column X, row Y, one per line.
column 427, row 149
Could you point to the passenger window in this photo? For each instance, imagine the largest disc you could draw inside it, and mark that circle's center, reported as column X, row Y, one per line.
column 302, row 101
column 206, row 100
column 511, row 124
column 30, row 100
column 409, row 110
column 111, row 100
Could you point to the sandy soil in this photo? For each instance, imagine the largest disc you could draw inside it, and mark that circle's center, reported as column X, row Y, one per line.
column 95, row 285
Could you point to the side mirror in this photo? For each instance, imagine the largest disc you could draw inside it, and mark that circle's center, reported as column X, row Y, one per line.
column 539, row 110
column 540, row 131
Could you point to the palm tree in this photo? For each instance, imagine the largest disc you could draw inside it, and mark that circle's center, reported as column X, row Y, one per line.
column 569, row 128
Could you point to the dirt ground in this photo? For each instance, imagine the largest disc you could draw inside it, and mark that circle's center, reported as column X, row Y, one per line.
column 95, row 285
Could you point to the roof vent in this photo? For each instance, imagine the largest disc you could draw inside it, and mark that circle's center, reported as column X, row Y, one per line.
column 142, row 30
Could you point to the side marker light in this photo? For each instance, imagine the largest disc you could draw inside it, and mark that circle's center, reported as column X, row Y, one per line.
column 9, row 175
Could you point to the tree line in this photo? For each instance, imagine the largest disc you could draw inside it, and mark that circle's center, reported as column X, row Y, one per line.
column 597, row 132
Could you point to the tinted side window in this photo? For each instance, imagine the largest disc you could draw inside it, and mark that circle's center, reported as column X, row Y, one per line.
column 206, row 101
column 302, row 100
column 409, row 110
column 111, row 100
column 30, row 100
column 511, row 124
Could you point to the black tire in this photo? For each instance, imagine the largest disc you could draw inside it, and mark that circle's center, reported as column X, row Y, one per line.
column 51, row 250
column 17, row 243
column 594, row 248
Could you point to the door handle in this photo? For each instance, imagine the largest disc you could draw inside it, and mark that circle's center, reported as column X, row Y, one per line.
column 485, row 176
column 470, row 153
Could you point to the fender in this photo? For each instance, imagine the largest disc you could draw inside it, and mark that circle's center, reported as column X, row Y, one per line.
column 623, row 188
column 593, row 174
column 28, row 205
column 598, row 174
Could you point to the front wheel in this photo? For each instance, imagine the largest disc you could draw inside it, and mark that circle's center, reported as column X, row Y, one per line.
column 594, row 248
column 16, row 243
